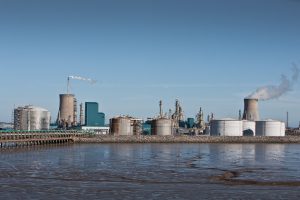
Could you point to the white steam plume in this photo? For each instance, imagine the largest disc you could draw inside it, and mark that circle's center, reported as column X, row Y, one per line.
column 82, row 79
column 275, row 91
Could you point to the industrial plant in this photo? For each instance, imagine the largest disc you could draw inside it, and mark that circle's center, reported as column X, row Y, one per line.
column 249, row 125
column 164, row 124
column 90, row 119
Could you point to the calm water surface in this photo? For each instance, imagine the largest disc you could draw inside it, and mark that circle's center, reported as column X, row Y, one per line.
column 151, row 171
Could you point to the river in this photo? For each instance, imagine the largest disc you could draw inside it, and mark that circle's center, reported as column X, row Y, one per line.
column 151, row 171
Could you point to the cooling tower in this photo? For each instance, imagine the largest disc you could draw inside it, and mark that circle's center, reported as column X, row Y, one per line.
column 251, row 110
column 66, row 110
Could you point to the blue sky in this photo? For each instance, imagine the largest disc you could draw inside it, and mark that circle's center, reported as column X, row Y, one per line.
column 209, row 53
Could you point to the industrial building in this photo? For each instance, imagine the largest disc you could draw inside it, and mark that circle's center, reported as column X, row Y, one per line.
column 31, row 118
column 92, row 116
column 93, row 121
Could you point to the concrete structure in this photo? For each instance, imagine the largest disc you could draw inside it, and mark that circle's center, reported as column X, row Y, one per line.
column 31, row 118
column 251, row 112
column 226, row 127
column 92, row 116
column 161, row 126
column 249, row 128
column 67, row 115
column 270, row 128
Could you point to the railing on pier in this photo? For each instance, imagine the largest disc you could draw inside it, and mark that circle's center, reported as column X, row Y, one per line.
column 29, row 138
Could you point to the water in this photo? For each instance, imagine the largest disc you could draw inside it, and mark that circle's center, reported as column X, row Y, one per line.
column 151, row 171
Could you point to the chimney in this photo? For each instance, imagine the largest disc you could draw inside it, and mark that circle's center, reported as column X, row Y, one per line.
column 251, row 110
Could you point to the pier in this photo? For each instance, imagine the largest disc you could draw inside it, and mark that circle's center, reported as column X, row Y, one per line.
column 19, row 139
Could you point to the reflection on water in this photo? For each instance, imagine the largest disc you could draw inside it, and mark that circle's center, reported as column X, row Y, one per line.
column 151, row 171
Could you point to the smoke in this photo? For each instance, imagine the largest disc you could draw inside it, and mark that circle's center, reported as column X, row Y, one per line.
column 275, row 91
column 82, row 79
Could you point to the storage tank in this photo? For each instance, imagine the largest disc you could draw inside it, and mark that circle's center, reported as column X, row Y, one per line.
column 31, row 118
column 226, row 127
column 66, row 115
column 249, row 128
column 161, row 126
column 283, row 128
column 121, row 126
column 39, row 118
column 270, row 128
column 251, row 112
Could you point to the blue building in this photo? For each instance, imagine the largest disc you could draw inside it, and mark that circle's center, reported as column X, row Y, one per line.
column 92, row 116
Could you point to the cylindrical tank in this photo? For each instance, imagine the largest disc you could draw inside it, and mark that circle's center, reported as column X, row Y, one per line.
column 283, row 128
column 251, row 112
column 66, row 110
column 121, row 126
column 31, row 118
column 161, row 126
column 270, row 128
column 248, row 128
column 39, row 118
column 226, row 127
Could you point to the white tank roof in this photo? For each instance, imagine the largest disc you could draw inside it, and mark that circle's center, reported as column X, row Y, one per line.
column 269, row 120
column 36, row 108
column 226, row 119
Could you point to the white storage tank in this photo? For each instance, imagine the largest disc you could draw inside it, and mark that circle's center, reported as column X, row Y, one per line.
column 31, row 118
column 270, row 128
column 249, row 128
column 226, row 127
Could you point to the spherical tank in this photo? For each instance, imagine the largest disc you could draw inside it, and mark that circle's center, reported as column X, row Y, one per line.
column 66, row 108
column 270, row 128
column 121, row 126
column 161, row 127
column 226, row 127
column 248, row 128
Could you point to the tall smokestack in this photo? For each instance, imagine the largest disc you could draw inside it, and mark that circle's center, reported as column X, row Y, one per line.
column 81, row 115
column 251, row 109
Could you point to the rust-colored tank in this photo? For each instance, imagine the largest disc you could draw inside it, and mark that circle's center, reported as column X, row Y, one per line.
column 121, row 126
